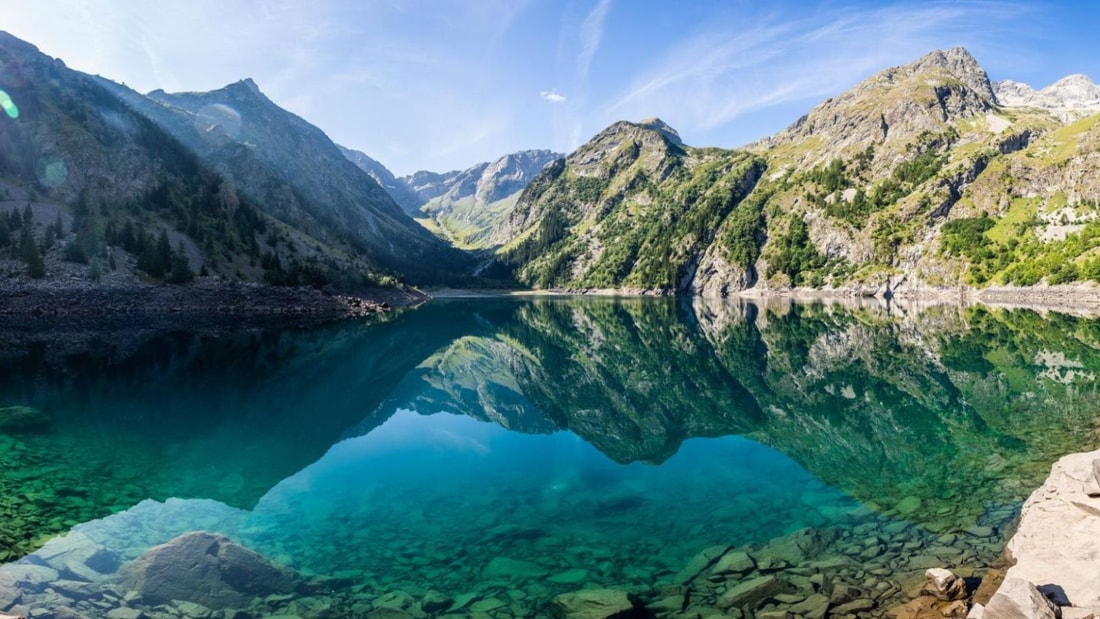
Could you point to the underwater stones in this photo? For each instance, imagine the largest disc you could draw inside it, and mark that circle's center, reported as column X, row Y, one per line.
column 594, row 604
column 9, row 592
column 797, row 547
column 571, row 577
column 733, row 563
column 29, row 577
column 504, row 568
column 908, row 505
column 487, row 605
column 752, row 592
column 434, row 602
column 944, row 585
column 813, row 607
column 206, row 569
column 699, row 563
column 22, row 418
column 125, row 613
column 669, row 604
column 1019, row 599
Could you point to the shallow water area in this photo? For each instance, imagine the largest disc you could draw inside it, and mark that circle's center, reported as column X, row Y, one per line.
column 490, row 457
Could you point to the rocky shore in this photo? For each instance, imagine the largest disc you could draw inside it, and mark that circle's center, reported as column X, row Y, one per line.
column 82, row 298
column 1055, row 570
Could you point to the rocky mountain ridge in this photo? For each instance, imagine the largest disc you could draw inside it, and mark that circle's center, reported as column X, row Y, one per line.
column 918, row 178
column 1071, row 98
column 468, row 207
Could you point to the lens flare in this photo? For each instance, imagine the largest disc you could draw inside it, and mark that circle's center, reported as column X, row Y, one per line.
column 52, row 172
column 9, row 106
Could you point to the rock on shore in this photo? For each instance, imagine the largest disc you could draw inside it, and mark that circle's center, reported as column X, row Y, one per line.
column 1057, row 546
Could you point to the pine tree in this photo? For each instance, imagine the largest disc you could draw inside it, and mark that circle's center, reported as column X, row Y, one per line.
column 28, row 249
column 181, row 272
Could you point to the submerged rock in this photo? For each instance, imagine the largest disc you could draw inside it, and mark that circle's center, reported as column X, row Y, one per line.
column 22, row 418
column 206, row 569
column 595, row 604
column 751, row 592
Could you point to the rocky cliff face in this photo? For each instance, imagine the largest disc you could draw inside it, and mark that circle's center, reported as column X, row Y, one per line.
column 921, row 176
column 471, row 208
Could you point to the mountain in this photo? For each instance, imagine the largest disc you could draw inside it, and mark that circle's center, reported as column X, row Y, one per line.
column 918, row 177
column 634, row 207
column 1070, row 98
column 91, row 189
column 467, row 208
column 297, row 174
column 402, row 194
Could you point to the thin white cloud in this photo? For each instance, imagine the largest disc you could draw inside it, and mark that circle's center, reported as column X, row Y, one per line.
column 552, row 96
column 715, row 77
column 591, row 34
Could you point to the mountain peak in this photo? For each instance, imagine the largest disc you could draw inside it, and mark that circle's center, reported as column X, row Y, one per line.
column 663, row 128
column 1070, row 98
column 958, row 62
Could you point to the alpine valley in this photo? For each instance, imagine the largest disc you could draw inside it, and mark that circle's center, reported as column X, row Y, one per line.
column 925, row 177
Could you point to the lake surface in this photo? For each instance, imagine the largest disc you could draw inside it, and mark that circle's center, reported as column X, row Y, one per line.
column 481, row 457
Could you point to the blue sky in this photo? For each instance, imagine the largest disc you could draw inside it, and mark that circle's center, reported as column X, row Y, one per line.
column 444, row 84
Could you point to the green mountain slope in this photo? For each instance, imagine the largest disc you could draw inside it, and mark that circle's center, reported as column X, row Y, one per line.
column 634, row 207
column 917, row 177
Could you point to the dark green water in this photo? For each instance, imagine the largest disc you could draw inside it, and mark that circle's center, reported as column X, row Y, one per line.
column 480, row 457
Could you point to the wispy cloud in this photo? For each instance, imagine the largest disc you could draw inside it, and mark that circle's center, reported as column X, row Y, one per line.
column 717, row 76
column 591, row 34
column 552, row 96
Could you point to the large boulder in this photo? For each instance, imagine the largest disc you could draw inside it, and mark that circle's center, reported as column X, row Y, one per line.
column 596, row 604
column 944, row 585
column 206, row 569
column 1019, row 599
column 1058, row 538
column 752, row 592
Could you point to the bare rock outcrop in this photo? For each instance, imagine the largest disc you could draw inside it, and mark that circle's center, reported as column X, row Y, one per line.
column 1057, row 544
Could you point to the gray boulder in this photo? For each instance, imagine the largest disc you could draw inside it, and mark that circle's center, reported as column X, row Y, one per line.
column 1019, row 599
column 944, row 585
column 595, row 604
column 206, row 569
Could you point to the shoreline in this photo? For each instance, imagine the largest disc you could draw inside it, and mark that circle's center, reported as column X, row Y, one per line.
column 207, row 298
column 1073, row 298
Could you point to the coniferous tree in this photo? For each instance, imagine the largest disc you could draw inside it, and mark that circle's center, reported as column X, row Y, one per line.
column 181, row 272
column 28, row 249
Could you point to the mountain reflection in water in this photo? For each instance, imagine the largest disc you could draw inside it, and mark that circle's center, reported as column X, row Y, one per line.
column 362, row 450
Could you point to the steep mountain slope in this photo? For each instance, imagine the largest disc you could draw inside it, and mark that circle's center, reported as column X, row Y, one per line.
column 296, row 174
column 633, row 207
column 401, row 193
column 917, row 177
column 98, row 184
column 468, row 208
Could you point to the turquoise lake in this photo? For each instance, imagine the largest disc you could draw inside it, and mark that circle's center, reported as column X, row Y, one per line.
column 481, row 457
